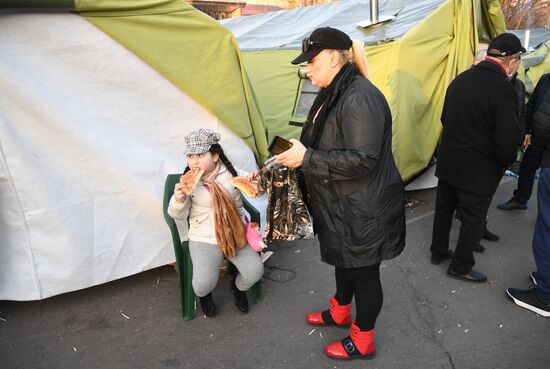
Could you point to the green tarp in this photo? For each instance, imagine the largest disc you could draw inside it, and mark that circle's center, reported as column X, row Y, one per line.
column 412, row 59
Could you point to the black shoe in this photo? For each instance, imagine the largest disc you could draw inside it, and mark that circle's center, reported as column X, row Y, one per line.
column 438, row 259
column 240, row 298
column 533, row 278
column 208, row 306
column 511, row 205
column 530, row 300
column 490, row 236
column 471, row 276
column 479, row 248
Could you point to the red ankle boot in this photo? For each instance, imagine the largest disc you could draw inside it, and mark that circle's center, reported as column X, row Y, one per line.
column 357, row 345
column 338, row 315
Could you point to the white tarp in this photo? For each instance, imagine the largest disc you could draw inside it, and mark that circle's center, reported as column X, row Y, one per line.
column 88, row 133
column 285, row 29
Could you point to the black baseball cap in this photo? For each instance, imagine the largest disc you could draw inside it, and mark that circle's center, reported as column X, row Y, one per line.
column 321, row 39
column 505, row 44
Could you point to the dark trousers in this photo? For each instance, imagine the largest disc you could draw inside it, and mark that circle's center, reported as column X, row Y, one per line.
column 458, row 216
column 474, row 210
column 527, row 169
column 363, row 283
column 541, row 237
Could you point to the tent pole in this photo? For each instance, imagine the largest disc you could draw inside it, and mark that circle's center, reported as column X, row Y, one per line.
column 374, row 11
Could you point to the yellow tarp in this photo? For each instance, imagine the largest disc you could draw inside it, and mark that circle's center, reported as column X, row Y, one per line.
column 536, row 71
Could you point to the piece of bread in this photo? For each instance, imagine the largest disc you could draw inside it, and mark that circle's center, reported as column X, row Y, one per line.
column 249, row 188
column 190, row 179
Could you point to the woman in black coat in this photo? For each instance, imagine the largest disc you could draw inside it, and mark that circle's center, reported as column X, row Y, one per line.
column 354, row 190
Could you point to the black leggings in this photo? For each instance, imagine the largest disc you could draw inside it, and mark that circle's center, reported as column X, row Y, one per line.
column 364, row 284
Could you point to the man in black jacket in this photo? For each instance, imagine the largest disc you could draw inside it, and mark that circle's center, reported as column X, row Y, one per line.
column 479, row 140
column 519, row 88
column 533, row 155
column 537, row 299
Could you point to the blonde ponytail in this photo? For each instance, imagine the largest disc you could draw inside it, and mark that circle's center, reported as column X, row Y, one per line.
column 360, row 59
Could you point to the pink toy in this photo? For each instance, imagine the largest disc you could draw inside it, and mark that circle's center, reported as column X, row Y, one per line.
column 254, row 236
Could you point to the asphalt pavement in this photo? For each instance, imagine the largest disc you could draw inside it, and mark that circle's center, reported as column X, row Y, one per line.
column 428, row 320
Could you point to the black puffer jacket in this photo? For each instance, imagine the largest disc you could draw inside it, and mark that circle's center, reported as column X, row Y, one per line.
column 539, row 118
column 355, row 191
column 536, row 99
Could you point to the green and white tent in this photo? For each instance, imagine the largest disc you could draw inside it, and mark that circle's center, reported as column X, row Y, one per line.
column 96, row 97
column 537, row 58
column 412, row 59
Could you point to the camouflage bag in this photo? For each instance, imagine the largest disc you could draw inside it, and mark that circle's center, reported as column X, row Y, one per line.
column 287, row 217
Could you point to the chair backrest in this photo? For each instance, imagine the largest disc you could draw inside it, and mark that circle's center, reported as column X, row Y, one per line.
column 171, row 181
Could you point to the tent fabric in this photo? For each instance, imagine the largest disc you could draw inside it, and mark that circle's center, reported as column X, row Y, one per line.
column 491, row 20
column 412, row 59
column 88, row 133
column 535, row 72
column 537, row 36
column 175, row 38
column 38, row 4
column 286, row 29
column 537, row 59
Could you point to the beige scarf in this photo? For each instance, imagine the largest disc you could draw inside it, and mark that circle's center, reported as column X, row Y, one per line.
column 230, row 229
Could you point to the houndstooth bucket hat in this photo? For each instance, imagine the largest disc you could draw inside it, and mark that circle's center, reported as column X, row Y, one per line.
column 200, row 141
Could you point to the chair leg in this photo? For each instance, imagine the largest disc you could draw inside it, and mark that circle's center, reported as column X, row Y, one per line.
column 257, row 292
column 188, row 302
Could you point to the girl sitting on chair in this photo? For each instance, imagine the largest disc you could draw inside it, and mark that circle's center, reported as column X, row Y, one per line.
column 206, row 201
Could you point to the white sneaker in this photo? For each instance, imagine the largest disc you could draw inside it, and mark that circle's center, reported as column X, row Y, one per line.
column 530, row 300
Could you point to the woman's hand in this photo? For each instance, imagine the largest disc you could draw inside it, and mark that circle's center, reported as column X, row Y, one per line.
column 293, row 157
column 179, row 195
column 252, row 176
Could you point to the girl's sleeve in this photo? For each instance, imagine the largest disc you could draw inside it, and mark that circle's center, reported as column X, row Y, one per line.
column 177, row 210
column 233, row 192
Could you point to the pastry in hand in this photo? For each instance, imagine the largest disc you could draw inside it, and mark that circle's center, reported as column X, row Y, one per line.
column 190, row 179
column 249, row 188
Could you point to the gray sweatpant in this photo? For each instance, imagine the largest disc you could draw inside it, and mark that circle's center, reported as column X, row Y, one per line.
column 207, row 259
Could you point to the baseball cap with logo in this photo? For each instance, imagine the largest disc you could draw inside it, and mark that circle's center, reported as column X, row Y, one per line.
column 321, row 39
column 200, row 141
column 505, row 44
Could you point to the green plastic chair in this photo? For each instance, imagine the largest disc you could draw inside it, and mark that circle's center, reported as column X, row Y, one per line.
column 183, row 258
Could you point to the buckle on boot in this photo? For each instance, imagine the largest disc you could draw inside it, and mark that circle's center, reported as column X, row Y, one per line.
column 350, row 348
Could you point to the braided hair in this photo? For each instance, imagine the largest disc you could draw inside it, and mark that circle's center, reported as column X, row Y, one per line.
column 217, row 149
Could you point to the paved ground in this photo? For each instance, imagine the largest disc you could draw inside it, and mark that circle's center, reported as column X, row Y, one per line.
column 428, row 320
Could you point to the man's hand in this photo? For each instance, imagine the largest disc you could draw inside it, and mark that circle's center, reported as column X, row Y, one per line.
column 292, row 157
column 527, row 141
